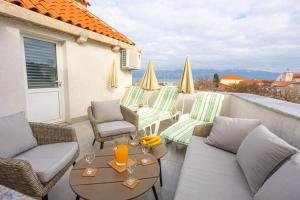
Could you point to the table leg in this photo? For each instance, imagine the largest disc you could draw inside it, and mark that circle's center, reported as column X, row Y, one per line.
column 77, row 197
column 154, row 192
column 160, row 173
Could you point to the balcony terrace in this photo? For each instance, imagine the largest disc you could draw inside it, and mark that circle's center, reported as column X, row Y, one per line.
column 281, row 117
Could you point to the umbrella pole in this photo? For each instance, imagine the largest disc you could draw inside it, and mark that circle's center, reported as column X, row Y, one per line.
column 182, row 104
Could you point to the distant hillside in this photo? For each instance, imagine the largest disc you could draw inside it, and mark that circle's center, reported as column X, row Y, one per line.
column 174, row 75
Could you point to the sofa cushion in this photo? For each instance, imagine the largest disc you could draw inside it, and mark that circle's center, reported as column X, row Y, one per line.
column 107, row 111
column 228, row 133
column 107, row 129
column 260, row 153
column 47, row 160
column 284, row 183
column 16, row 135
column 210, row 173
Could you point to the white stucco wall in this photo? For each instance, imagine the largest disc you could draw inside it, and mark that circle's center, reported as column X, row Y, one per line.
column 229, row 81
column 85, row 69
column 88, row 69
column 12, row 71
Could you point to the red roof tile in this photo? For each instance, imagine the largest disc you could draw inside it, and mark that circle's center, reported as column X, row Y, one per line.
column 67, row 11
column 296, row 75
column 255, row 81
column 233, row 77
column 281, row 83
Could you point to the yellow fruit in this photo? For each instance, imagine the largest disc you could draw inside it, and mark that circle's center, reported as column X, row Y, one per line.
column 143, row 142
column 146, row 138
column 154, row 139
column 155, row 143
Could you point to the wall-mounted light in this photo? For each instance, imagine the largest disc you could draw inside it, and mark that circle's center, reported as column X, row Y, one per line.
column 82, row 38
column 115, row 48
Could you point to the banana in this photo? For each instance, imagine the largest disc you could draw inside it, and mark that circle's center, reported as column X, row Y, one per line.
column 146, row 137
column 154, row 139
column 155, row 143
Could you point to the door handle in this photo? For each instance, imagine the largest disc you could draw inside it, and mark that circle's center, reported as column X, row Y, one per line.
column 58, row 83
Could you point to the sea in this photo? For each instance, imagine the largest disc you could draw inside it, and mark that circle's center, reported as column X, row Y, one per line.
column 172, row 76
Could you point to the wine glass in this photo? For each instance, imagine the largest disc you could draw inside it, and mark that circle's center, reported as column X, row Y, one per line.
column 130, row 169
column 89, row 158
column 145, row 150
column 133, row 141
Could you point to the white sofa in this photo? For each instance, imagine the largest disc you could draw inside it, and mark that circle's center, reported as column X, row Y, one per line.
column 210, row 173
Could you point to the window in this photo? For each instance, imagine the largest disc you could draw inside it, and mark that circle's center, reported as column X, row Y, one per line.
column 41, row 63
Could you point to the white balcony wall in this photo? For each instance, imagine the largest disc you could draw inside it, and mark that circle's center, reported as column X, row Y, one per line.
column 281, row 117
column 84, row 69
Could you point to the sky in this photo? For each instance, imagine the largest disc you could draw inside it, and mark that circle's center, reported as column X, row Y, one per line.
column 217, row 34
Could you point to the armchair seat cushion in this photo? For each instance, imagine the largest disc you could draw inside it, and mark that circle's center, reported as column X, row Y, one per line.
column 107, row 129
column 47, row 160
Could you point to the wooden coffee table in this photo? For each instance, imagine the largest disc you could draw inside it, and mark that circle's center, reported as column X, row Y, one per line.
column 159, row 151
column 107, row 184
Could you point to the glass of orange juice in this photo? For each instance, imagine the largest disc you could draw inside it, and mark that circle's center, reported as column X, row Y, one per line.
column 121, row 154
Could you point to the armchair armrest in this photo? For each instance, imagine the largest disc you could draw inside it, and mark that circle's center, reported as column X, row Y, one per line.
column 130, row 116
column 203, row 129
column 52, row 133
column 19, row 175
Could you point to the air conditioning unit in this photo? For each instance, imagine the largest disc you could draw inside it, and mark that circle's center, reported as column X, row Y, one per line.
column 130, row 60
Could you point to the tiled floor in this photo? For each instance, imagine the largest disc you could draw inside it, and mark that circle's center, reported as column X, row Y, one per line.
column 171, row 166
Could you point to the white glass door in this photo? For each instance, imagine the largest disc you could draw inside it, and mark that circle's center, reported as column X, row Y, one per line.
column 44, row 86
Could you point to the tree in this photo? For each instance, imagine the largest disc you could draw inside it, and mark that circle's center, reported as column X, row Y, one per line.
column 216, row 81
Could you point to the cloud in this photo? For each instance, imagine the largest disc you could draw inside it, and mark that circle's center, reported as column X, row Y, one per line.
column 218, row 34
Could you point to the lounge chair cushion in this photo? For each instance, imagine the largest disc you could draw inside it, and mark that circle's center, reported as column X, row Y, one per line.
column 107, row 111
column 181, row 131
column 284, row 183
column 206, row 106
column 260, row 153
column 107, row 129
column 47, row 160
column 210, row 173
column 15, row 135
column 228, row 133
column 132, row 97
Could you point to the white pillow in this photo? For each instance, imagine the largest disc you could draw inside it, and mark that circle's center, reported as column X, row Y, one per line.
column 107, row 111
column 260, row 153
column 15, row 135
column 228, row 133
column 284, row 183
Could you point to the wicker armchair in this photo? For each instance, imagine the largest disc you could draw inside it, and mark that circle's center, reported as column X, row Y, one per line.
column 128, row 116
column 19, row 174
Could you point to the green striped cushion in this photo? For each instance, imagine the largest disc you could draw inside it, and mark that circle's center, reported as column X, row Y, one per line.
column 166, row 99
column 180, row 132
column 133, row 96
column 206, row 106
column 148, row 117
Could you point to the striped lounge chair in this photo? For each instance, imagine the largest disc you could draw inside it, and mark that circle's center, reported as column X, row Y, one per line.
column 206, row 106
column 132, row 97
column 162, row 109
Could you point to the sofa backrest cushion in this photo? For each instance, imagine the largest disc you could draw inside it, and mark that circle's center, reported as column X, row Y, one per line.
column 284, row 183
column 107, row 111
column 260, row 153
column 15, row 135
column 228, row 133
